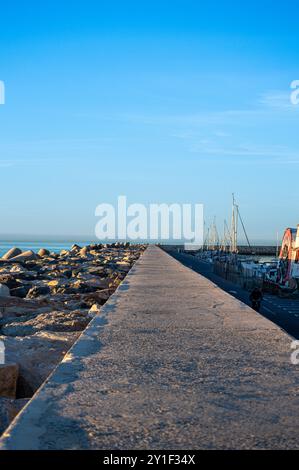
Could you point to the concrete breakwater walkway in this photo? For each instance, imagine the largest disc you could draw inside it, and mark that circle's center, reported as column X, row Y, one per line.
column 172, row 362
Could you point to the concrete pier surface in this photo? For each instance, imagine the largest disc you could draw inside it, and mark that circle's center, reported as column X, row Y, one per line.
column 172, row 362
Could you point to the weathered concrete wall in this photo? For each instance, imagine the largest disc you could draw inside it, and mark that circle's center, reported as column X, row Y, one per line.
column 171, row 362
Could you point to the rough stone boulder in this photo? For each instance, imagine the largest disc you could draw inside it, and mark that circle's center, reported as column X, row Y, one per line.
column 64, row 252
column 9, row 409
column 13, row 307
column 9, row 280
column 8, row 380
column 95, row 270
column 98, row 297
column 55, row 283
column 38, row 291
column 76, row 320
column 81, row 287
column 84, row 251
column 75, row 248
column 123, row 266
column 21, row 291
column 92, row 281
column 4, row 291
column 37, row 356
column 66, row 272
column 94, row 310
column 26, row 276
column 15, row 269
column 12, row 253
column 97, row 283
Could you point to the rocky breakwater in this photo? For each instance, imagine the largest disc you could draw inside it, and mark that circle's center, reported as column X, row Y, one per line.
column 46, row 301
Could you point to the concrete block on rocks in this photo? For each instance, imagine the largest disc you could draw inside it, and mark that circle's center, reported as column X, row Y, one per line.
column 12, row 253
column 25, row 256
column 43, row 252
column 9, row 409
column 4, row 291
column 8, row 380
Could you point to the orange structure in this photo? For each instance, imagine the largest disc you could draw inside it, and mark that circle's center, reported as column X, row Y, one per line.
column 289, row 257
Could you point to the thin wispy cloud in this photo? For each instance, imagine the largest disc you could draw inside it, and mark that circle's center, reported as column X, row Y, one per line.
column 197, row 131
column 278, row 153
column 263, row 110
column 277, row 99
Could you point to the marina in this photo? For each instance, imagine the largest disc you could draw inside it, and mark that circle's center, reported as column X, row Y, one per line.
column 271, row 269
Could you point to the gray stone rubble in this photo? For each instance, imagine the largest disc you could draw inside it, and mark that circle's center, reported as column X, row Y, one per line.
column 46, row 301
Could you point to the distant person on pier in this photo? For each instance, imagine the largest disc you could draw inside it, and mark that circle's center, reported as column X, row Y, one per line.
column 256, row 298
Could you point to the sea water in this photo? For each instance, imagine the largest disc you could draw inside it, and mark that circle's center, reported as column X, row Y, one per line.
column 55, row 246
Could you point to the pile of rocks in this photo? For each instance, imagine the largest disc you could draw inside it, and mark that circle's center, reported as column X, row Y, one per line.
column 46, row 300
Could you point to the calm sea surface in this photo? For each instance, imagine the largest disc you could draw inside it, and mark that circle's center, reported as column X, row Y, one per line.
column 61, row 245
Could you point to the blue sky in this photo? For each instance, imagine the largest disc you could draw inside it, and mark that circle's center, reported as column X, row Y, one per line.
column 169, row 101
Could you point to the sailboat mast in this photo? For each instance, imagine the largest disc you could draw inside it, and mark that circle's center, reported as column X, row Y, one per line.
column 234, row 227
